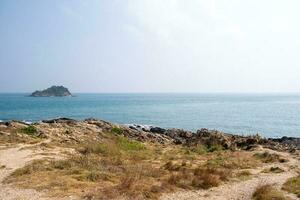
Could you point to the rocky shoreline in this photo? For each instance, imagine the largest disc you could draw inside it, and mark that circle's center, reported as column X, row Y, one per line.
column 167, row 136
column 228, row 141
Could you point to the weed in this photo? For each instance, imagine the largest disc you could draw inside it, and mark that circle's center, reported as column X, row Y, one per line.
column 293, row 185
column 267, row 192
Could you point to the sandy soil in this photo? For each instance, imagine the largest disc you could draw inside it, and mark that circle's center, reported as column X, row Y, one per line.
column 17, row 157
column 243, row 190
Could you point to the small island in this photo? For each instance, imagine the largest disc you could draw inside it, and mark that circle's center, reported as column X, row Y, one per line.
column 54, row 91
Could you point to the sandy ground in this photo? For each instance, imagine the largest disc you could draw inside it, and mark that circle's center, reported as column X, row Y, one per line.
column 243, row 190
column 17, row 157
column 12, row 159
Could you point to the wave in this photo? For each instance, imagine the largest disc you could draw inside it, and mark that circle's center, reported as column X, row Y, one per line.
column 27, row 122
column 140, row 126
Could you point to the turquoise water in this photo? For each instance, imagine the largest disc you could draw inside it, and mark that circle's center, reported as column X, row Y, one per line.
column 270, row 115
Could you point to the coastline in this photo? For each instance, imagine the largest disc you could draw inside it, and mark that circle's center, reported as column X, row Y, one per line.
column 186, row 137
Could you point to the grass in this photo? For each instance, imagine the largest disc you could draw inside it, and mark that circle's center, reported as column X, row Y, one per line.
column 267, row 157
column 268, row 192
column 243, row 175
column 107, row 165
column 202, row 149
column 116, row 166
column 293, row 185
column 117, row 130
column 12, row 135
column 29, row 130
column 273, row 170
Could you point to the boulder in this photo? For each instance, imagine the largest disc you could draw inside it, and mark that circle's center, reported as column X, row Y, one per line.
column 157, row 130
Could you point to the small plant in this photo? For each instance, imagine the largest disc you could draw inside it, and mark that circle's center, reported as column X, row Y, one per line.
column 243, row 175
column 93, row 176
column 273, row 170
column 29, row 130
column 215, row 148
column 267, row 157
column 129, row 145
column 293, row 185
column 117, row 130
column 198, row 149
column 267, row 192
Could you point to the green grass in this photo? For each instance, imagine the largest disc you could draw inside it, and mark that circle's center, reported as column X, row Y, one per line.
column 117, row 146
column 126, row 144
column 29, row 130
column 116, row 130
column 293, row 185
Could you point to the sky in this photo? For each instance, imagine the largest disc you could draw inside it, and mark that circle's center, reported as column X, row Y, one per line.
column 203, row 46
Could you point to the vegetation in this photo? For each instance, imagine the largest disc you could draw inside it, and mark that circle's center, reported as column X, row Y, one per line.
column 268, row 192
column 13, row 135
column 273, row 170
column 118, row 166
column 293, row 185
column 243, row 175
column 30, row 130
column 267, row 157
column 116, row 130
column 115, row 166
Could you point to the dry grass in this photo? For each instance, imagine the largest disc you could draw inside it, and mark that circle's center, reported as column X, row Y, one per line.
column 267, row 157
column 293, row 185
column 243, row 175
column 13, row 135
column 120, row 167
column 273, row 170
column 268, row 192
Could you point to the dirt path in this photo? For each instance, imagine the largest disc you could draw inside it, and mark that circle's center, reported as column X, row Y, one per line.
column 12, row 159
column 243, row 190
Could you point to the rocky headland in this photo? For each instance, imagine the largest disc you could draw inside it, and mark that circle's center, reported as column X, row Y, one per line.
column 54, row 91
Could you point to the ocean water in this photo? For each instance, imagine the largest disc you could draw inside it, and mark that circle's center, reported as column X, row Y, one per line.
column 270, row 115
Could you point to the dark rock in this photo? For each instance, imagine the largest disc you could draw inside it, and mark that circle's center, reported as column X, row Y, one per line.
column 157, row 130
column 132, row 127
column 292, row 142
column 60, row 120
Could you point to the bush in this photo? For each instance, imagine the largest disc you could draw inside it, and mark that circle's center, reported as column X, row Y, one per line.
column 29, row 130
column 129, row 145
column 267, row 157
column 267, row 192
column 293, row 185
column 117, row 130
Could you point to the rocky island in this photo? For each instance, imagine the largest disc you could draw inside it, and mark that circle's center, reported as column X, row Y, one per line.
column 94, row 159
column 54, row 91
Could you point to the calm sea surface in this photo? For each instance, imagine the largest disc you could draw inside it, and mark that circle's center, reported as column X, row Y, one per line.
column 270, row 115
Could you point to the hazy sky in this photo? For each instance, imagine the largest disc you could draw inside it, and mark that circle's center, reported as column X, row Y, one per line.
column 150, row 45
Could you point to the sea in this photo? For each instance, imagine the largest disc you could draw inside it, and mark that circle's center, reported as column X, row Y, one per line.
column 271, row 115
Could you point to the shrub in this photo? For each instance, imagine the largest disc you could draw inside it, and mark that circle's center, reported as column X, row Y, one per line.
column 267, row 157
column 267, row 192
column 117, row 130
column 214, row 148
column 243, row 174
column 129, row 145
column 293, row 185
column 276, row 170
column 198, row 149
column 29, row 130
